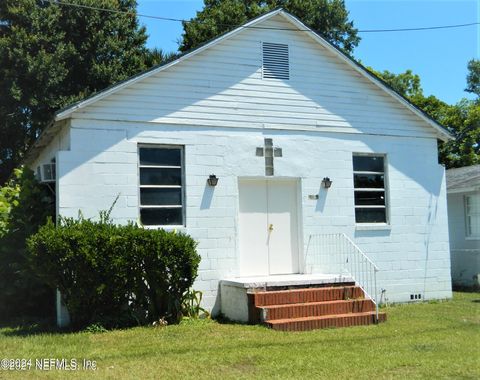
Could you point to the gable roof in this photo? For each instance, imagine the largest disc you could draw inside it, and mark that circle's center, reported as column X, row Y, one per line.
column 463, row 179
column 65, row 113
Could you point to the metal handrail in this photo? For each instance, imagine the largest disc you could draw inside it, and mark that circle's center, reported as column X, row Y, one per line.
column 338, row 254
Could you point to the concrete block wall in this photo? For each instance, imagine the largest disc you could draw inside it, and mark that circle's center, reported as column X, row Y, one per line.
column 412, row 251
column 217, row 105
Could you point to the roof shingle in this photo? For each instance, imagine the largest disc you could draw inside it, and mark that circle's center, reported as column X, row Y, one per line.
column 463, row 178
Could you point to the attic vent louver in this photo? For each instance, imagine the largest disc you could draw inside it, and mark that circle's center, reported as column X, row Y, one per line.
column 275, row 61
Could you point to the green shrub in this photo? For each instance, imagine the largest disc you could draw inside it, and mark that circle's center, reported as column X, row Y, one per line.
column 115, row 275
column 24, row 206
column 191, row 306
column 95, row 329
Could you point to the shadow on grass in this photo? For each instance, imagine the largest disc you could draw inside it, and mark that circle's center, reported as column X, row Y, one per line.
column 223, row 320
column 29, row 327
column 466, row 288
column 26, row 327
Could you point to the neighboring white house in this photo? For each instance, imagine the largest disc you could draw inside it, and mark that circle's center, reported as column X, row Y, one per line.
column 275, row 113
column 463, row 198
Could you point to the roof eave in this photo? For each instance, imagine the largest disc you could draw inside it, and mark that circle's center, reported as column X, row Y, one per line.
column 442, row 133
column 43, row 140
column 466, row 189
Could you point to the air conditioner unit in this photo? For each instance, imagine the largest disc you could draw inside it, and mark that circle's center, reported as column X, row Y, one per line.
column 47, row 173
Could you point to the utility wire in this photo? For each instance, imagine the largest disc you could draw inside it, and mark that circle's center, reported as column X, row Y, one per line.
column 63, row 3
column 414, row 29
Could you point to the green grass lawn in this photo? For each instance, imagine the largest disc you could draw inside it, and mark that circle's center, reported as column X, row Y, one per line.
column 438, row 340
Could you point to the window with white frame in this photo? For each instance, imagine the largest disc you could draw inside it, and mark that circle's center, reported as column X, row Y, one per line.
column 369, row 188
column 472, row 215
column 161, row 185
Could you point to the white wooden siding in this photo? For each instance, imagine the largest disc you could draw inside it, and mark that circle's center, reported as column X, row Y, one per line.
column 223, row 87
column 60, row 142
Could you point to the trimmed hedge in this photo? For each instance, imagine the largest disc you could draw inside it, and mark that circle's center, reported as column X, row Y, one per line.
column 115, row 275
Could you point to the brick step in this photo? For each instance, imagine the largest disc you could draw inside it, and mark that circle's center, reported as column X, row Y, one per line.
column 328, row 321
column 311, row 309
column 282, row 297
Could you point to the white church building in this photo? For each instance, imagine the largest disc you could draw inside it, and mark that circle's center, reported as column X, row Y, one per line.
column 287, row 161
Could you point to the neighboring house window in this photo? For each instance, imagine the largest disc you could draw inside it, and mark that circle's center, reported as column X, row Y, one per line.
column 472, row 215
column 161, row 185
column 369, row 188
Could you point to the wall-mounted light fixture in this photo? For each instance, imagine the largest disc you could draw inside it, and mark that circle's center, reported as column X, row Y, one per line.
column 326, row 182
column 212, row 180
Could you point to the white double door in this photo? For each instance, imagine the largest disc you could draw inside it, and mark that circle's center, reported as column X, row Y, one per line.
column 268, row 226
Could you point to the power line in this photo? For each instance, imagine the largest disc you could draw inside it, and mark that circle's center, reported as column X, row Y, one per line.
column 63, row 3
column 424, row 28
column 113, row 11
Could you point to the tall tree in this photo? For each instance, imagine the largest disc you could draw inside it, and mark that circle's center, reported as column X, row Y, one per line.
column 473, row 77
column 407, row 83
column 25, row 205
column 461, row 119
column 327, row 17
column 52, row 55
column 157, row 56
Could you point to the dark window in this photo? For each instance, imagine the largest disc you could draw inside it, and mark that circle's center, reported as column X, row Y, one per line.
column 161, row 216
column 161, row 176
column 160, row 197
column 370, row 215
column 369, row 180
column 161, row 186
column 369, row 198
column 369, row 187
column 160, row 156
column 368, row 164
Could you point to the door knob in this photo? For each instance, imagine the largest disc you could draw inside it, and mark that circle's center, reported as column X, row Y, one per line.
column 270, row 227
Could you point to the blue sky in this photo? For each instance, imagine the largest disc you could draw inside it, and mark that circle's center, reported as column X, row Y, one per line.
column 439, row 56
